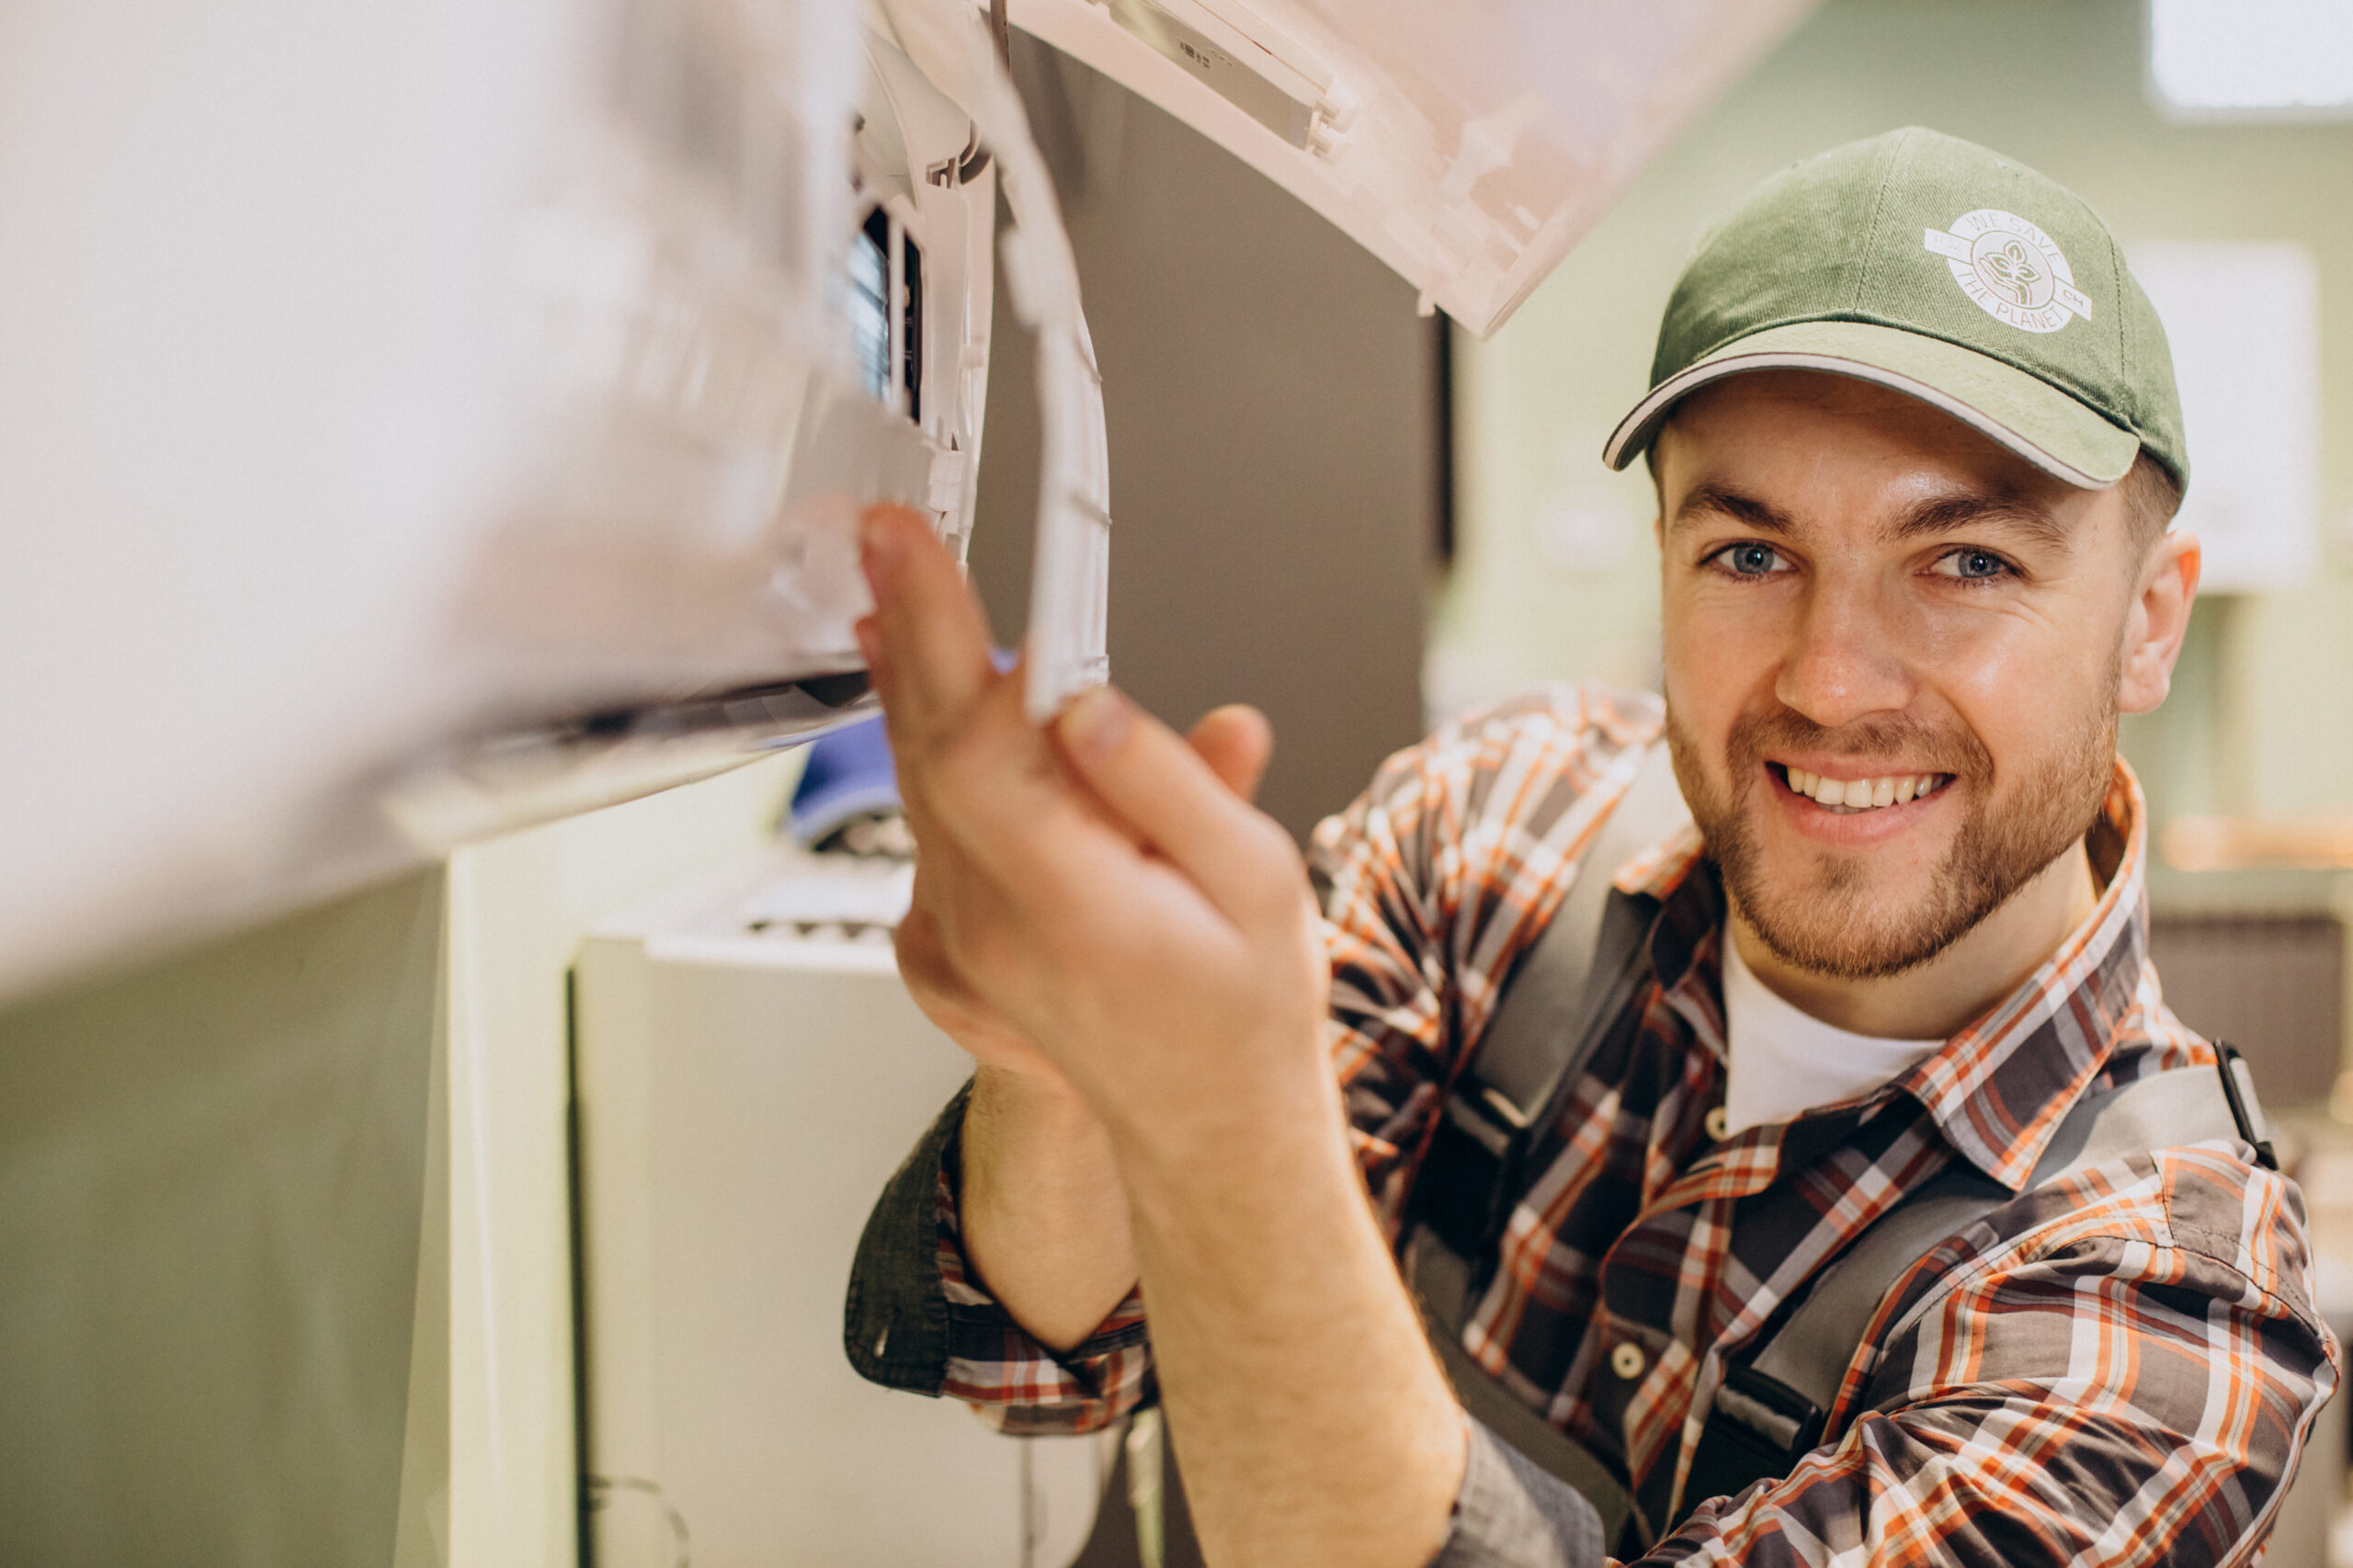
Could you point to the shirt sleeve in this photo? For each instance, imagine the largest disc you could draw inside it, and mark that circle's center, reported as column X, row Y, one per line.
column 1510, row 1514
column 2114, row 1394
column 1014, row 1381
column 916, row 1319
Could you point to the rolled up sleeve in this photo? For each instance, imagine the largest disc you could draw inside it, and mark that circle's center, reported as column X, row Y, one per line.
column 917, row 1318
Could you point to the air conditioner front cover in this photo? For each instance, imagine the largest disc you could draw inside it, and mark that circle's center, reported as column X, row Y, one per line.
column 1467, row 145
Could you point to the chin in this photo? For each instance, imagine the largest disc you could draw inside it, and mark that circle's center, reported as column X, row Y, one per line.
column 1874, row 895
column 1853, row 932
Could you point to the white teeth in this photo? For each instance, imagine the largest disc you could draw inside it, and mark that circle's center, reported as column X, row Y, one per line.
column 1863, row 794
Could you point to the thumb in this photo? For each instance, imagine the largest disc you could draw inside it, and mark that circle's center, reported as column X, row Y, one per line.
column 1235, row 741
column 1170, row 796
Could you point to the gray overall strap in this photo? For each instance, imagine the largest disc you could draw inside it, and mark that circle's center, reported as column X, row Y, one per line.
column 1544, row 1023
column 1440, row 1279
column 1557, row 1002
column 1570, row 983
column 1770, row 1410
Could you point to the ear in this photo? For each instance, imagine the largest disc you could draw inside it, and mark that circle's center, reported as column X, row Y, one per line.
column 2157, row 621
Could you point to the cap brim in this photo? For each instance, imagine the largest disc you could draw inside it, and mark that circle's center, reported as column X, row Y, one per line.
column 2036, row 420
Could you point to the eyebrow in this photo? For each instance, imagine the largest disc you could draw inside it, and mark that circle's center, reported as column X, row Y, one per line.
column 1926, row 519
column 1953, row 513
column 1718, row 500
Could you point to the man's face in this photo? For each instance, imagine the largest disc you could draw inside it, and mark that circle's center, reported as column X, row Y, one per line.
column 1868, row 603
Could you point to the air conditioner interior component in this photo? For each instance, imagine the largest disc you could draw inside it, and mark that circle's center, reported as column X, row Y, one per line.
column 1065, row 645
column 738, row 344
column 743, row 1091
column 1468, row 147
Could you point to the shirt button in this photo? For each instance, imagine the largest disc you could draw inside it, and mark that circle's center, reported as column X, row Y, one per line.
column 1628, row 1360
column 1719, row 1125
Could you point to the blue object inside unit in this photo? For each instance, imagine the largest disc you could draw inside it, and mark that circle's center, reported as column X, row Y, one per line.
column 850, row 773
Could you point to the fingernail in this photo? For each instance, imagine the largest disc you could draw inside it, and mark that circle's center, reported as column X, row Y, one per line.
column 1097, row 721
column 880, row 550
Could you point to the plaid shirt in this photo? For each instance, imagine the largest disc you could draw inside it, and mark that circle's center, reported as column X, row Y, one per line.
column 2124, row 1372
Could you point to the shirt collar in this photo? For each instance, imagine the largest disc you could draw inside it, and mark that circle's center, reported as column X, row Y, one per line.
column 1657, row 870
column 1998, row 1089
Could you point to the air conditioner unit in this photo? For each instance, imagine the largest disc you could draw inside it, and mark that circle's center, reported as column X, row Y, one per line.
column 418, row 419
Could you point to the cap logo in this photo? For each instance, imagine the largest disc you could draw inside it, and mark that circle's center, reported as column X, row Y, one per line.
column 2011, row 268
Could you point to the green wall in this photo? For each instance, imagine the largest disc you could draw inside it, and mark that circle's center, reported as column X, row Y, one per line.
column 213, row 1188
column 1557, row 574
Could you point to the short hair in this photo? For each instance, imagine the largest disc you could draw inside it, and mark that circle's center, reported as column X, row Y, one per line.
column 2152, row 496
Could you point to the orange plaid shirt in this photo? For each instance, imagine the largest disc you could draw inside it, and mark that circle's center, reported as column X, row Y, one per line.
column 2125, row 1373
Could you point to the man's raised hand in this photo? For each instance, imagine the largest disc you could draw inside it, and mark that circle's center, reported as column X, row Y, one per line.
column 1084, row 890
column 1232, row 740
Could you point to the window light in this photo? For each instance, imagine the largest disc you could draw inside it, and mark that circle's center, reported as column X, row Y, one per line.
column 2252, row 57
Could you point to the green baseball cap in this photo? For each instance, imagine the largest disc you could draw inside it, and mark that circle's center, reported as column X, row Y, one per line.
column 1934, row 267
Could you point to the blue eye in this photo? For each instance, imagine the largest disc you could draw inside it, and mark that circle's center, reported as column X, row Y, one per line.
column 1971, row 566
column 1750, row 560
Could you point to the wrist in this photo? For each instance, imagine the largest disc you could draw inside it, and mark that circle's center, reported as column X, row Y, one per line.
column 1043, row 1215
column 1259, row 1151
column 1033, row 1096
column 1034, row 1127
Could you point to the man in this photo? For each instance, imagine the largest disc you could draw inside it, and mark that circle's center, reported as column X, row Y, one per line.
column 1916, row 443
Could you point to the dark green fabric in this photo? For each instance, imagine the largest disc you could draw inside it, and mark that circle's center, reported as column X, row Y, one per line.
column 1842, row 237
column 894, row 1324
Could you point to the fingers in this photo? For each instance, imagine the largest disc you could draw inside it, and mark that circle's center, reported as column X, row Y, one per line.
column 1236, row 742
column 966, row 756
column 1181, row 805
column 986, row 789
column 928, row 645
column 999, row 822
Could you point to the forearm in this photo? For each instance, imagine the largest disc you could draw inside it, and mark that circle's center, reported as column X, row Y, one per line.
column 1044, row 1216
column 1311, row 1419
column 1150, row 936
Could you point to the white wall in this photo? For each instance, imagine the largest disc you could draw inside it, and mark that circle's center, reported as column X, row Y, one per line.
column 517, row 909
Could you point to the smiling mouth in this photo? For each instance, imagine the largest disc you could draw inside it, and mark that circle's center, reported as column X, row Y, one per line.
column 1848, row 796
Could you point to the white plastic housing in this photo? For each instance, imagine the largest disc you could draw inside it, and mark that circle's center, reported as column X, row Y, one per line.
column 1467, row 146
column 744, row 1093
column 419, row 418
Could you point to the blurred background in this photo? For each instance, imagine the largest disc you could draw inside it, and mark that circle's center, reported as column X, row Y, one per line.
column 295, row 1264
column 1364, row 524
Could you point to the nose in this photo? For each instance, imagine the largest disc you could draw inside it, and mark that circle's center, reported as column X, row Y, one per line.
column 1846, row 658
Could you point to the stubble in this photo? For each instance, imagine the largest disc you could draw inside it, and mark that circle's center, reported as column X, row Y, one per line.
column 1820, row 913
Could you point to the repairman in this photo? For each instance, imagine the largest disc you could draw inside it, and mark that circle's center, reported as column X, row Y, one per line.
column 1777, row 1148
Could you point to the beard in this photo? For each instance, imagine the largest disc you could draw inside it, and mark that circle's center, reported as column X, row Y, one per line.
column 1826, row 917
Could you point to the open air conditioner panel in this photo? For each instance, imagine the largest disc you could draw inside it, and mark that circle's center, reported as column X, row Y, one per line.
column 1468, row 147
column 444, row 414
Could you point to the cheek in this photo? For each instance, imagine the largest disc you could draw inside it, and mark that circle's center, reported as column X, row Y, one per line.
column 2021, row 681
column 1719, row 655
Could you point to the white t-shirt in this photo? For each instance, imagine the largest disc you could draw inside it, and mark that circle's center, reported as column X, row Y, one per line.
column 1783, row 1061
